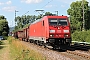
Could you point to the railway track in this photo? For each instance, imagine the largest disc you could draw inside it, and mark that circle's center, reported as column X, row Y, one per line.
column 82, row 53
column 79, row 53
column 51, row 54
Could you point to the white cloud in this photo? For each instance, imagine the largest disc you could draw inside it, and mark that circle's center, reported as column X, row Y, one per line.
column 1, row 3
column 8, row 2
column 31, row 1
column 9, row 9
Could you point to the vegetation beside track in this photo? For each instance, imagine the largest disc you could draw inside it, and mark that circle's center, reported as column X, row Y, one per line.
column 1, row 42
column 81, row 36
column 4, row 50
column 21, row 52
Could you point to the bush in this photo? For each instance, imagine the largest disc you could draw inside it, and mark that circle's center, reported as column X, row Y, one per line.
column 5, row 37
column 1, row 42
column 81, row 36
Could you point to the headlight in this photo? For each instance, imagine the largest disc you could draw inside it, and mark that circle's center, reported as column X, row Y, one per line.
column 65, row 35
column 66, row 31
column 51, row 35
column 52, row 31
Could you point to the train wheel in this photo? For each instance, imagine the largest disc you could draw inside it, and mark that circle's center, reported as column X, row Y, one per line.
column 26, row 40
column 40, row 43
column 37, row 43
column 30, row 41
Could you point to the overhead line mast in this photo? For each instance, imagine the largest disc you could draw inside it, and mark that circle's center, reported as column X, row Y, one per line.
column 15, row 16
column 83, row 15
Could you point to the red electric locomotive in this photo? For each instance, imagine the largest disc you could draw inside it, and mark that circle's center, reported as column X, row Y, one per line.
column 51, row 31
column 48, row 31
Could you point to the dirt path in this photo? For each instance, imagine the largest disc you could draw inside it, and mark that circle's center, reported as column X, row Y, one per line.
column 4, row 51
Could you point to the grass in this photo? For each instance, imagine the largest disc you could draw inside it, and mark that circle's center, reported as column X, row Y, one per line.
column 1, row 45
column 4, row 50
column 21, row 52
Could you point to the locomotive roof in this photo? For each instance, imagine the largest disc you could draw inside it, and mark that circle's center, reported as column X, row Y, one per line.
column 36, row 21
column 48, row 17
column 56, row 16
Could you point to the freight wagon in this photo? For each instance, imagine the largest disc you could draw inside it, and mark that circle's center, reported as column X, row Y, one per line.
column 20, row 35
column 26, row 34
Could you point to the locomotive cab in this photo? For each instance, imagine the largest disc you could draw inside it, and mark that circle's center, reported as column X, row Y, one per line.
column 59, row 31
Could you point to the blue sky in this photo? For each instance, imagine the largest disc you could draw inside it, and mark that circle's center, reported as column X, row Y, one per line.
column 8, row 7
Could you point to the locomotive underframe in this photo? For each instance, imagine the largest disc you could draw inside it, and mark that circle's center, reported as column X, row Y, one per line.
column 56, row 43
column 59, row 43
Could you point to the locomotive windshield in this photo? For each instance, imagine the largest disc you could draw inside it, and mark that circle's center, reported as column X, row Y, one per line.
column 56, row 21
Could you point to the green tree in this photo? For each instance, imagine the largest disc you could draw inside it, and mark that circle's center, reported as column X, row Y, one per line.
column 4, row 28
column 24, row 20
column 76, row 15
column 48, row 14
column 2, row 17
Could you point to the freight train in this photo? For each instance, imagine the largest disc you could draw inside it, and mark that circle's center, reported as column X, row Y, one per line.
column 51, row 31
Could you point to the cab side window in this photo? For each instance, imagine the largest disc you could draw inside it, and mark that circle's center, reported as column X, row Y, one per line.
column 43, row 23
